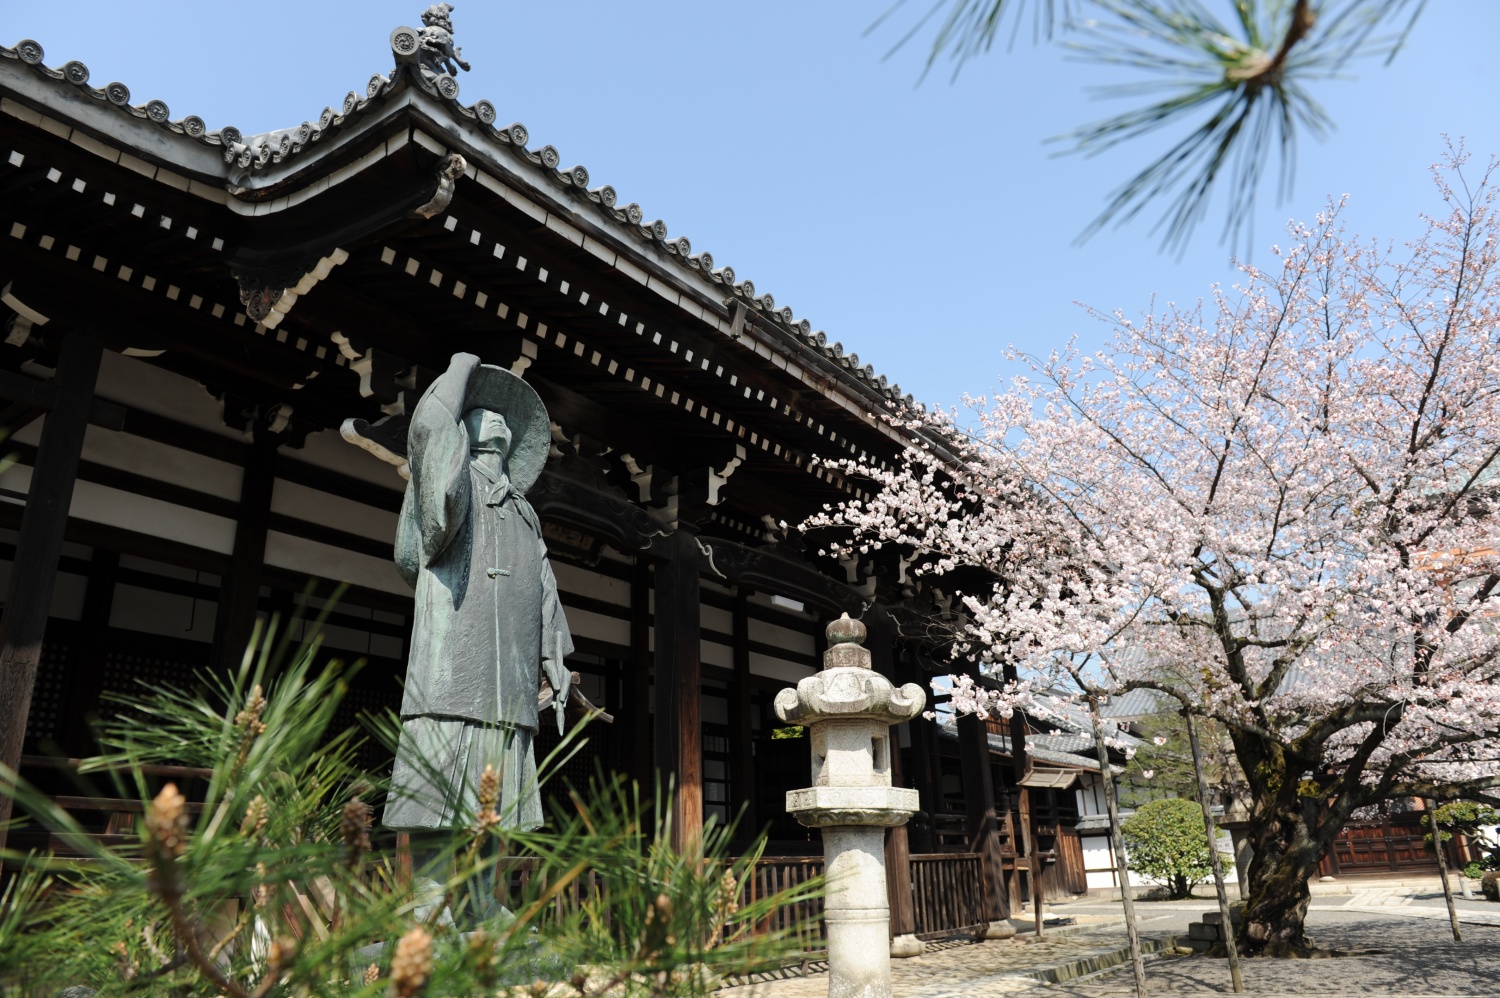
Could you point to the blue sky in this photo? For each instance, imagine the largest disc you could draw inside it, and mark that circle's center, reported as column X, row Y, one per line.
column 926, row 228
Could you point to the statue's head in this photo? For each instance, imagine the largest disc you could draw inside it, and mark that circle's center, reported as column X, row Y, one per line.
column 439, row 15
column 488, row 432
column 504, row 415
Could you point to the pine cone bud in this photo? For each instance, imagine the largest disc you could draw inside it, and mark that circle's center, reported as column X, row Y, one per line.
column 248, row 720
column 729, row 892
column 489, row 790
column 372, row 974
column 412, row 964
column 166, row 822
column 480, row 955
column 261, row 894
column 354, row 826
column 256, row 815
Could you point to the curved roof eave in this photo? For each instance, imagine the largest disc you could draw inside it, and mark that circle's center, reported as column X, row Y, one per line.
column 250, row 174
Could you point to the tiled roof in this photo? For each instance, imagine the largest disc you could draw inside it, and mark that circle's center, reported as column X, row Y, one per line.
column 1138, row 703
column 1043, row 748
column 255, row 153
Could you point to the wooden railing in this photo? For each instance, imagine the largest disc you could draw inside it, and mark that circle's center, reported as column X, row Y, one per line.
column 777, row 873
column 947, row 893
column 772, row 875
column 107, row 820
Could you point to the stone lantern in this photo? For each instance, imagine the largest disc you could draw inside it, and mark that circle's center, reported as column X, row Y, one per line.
column 848, row 709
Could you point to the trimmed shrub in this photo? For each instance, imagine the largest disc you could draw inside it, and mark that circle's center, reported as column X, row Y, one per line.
column 1165, row 841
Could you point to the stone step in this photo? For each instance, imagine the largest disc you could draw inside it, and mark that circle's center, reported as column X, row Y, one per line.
column 1236, row 912
column 1198, row 930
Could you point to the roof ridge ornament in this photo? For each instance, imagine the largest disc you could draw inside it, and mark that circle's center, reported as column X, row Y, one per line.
column 429, row 51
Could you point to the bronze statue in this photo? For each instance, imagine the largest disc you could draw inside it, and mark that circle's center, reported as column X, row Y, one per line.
column 488, row 625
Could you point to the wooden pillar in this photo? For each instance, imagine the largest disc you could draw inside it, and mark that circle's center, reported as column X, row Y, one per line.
column 283, row 609
column 926, row 777
column 984, row 821
column 1028, row 843
column 679, row 738
column 637, row 690
column 1025, row 836
column 742, row 748
column 86, row 672
column 239, row 595
column 881, row 640
column 34, row 573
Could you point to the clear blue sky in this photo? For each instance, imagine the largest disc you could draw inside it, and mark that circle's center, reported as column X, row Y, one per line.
column 924, row 227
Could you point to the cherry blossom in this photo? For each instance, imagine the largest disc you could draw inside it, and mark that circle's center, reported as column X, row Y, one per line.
column 1273, row 504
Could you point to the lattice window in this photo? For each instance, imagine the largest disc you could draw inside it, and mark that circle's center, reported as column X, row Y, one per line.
column 49, row 696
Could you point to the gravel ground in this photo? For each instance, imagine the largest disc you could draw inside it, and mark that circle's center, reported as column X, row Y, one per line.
column 1417, row 957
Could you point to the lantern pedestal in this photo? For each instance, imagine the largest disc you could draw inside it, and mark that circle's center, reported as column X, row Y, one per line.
column 848, row 710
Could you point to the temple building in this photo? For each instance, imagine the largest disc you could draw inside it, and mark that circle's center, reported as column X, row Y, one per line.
column 210, row 343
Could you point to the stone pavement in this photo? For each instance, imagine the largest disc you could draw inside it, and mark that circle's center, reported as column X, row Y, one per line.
column 1396, row 954
column 1413, row 901
column 962, row 968
column 1399, row 936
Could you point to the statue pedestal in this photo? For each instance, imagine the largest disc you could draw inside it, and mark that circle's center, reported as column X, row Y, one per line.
column 848, row 710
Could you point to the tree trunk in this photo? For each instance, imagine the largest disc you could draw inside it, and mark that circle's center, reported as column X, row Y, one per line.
column 1287, row 851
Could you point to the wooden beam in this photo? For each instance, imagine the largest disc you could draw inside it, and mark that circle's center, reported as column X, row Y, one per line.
column 34, row 573
column 240, row 593
column 679, row 678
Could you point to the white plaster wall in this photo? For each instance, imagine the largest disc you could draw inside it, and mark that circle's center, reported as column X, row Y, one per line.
column 166, row 614
column 714, row 653
column 162, row 462
column 712, row 618
column 777, row 668
column 1099, row 860
column 781, row 637
column 327, row 449
column 586, row 623
column 355, row 644
column 141, row 385
column 584, row 582
column 307, row 557
column 100, row 504
column 312, row 506
column 1090, row 794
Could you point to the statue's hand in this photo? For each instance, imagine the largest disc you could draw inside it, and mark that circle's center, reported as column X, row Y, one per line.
column 452, row 387
column 461, row 368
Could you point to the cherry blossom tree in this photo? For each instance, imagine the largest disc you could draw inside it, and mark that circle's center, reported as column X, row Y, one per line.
column 1274, row 505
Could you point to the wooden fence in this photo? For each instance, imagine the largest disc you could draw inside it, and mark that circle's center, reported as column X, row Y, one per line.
column 803, row 919
column 947, row 893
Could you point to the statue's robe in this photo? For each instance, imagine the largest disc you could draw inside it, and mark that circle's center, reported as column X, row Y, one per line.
column 488, row 624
